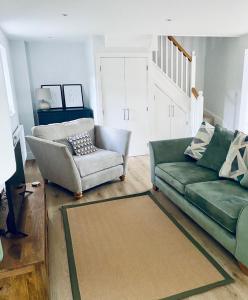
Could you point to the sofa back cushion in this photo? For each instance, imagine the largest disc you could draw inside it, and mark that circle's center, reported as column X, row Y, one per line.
column 217, row 149
column 59, row 131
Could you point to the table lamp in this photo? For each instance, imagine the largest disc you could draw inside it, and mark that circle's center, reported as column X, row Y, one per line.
column 43, row 95
column 7, row 155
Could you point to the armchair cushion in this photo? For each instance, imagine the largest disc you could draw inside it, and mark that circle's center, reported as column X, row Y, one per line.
column 97, row 161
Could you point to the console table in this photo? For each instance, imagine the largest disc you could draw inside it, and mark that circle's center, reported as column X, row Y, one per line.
column 24, row 269
column 58, row 115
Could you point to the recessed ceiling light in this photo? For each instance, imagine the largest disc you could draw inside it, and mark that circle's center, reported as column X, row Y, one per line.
column 168, row 20
column 65, row 15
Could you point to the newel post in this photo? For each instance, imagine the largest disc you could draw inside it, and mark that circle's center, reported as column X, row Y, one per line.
column 197, row 107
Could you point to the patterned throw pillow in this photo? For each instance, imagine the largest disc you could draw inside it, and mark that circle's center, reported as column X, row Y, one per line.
column 200, row 142
column 82, row 143
column 236, row 163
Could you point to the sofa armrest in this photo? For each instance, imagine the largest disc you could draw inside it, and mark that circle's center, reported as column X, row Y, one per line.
column 241, row 252
column 114, row 140
column 56, row 163
column 166, row 151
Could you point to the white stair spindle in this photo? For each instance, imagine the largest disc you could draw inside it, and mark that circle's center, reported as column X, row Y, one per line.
column 182, row 77
column 186, row 76
column 172, row 66
column 162, row 53
column 177, row 53
column 158, row 51
column 167, row 56
column 193, row 71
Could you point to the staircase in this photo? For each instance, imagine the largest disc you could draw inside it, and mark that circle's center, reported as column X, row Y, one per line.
column 174, row 72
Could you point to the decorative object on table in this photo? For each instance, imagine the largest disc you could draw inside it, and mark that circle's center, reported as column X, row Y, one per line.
column 56, row 99
column 44, row 96
column 36, row 183
column 82, row 143
column 200, row 142
column 73, row 95
column 236, row 163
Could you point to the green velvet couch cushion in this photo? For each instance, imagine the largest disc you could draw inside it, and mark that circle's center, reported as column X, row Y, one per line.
column 179, row 174
column 220, row 200
column 217, row 149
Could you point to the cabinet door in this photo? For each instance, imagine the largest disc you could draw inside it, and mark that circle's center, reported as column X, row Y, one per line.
column 113, row 92
column 161, row 119
column 136, row 82
column 179, row 124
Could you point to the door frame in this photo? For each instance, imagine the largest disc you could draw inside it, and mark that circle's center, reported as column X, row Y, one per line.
column 109, row 54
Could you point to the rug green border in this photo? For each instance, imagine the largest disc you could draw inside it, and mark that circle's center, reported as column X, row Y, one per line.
column 71, row 262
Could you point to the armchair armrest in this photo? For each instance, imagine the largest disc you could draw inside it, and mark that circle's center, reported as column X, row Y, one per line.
column 114, row 140
column 167, row 151
column 56, row 163
column 241, row 252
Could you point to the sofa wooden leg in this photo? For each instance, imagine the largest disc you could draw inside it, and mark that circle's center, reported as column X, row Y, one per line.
column 155, row 188
column 243, row 268
column 122, row 177
column 78, row 196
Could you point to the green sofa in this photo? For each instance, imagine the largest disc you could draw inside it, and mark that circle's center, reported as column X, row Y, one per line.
column 219, row 206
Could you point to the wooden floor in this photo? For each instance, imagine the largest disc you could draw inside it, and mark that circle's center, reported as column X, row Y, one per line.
column 137, row 180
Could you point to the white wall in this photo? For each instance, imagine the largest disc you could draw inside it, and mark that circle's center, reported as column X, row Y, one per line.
column 22, row 87
column 57, row 63
column 5, row 43
column 223, row 78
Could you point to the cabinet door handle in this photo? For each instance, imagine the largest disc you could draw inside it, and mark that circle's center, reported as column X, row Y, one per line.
column 173, row 110
column 124, row 114
column 128, row 114
column 169, row 110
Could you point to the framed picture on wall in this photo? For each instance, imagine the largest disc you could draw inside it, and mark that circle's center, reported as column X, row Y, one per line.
column 56, row 95
column 73, row 95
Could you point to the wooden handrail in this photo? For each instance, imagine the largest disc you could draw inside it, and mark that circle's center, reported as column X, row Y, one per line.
column 180, row 48
column 195, row 92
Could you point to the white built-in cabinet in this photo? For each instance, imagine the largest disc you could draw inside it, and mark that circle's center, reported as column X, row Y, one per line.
column 169, row 120
column 124, row 93
column 129, row 99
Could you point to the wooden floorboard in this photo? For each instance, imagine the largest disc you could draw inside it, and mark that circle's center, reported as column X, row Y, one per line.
column 137, row 180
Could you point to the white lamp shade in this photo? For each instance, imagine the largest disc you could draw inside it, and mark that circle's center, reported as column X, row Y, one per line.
column 43, row 94
column 7, row 155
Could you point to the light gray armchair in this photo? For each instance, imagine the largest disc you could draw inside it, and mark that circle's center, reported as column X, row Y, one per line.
column 78, row 173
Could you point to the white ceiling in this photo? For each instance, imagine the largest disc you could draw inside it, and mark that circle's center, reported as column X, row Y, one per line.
column 35, row 20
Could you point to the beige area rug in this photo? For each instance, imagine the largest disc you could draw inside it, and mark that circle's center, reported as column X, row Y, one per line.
column 130, row 248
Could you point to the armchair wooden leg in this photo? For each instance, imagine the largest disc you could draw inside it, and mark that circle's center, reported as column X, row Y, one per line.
column 45, row 181
column 155, row 188
column 78, row 196
column 243, row 268
column 122, row 177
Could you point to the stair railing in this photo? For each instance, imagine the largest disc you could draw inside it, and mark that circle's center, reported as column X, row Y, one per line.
column 180, row 66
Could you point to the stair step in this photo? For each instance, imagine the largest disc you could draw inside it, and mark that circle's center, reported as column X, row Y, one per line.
column 208, row 118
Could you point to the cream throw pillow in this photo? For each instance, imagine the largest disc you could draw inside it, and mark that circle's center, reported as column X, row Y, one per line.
column 236, row 163
column 200, row 142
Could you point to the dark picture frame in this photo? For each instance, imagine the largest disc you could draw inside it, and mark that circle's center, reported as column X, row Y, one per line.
column 73, row 95
column 57, row 100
